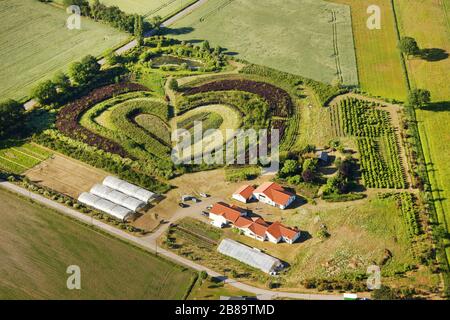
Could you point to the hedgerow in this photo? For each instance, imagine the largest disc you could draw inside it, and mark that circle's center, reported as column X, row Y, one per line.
column 68, row 118
column 324, row 92
column 280, row 102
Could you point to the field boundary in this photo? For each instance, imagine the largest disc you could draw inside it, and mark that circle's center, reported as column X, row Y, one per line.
column 421, row 144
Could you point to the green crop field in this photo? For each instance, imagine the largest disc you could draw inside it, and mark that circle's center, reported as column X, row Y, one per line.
column 307, row 37
column 148, row 8
column 35, row 44
column 379, row 61
column 37, row 245
column 17, row 157
column 429, row 23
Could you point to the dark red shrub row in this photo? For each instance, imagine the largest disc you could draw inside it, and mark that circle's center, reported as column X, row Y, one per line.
column 67, row 120
column 279, row 101
column 280, row 125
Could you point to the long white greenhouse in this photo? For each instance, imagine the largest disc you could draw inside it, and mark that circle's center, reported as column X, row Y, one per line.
column 104, row 205
column 129, row 189
column 250, row 256
column 117, row 197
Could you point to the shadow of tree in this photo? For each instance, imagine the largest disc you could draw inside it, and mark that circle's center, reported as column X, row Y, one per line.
column 176, row 31
column 433, row 54
column 441, row 106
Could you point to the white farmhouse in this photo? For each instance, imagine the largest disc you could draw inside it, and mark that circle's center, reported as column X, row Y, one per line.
column 275, row 195
column 244, row 194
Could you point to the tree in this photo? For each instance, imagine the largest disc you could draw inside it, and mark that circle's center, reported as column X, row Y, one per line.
column 173, row 84
column 419, row 98
column 206, row 46
column 62, row 82
column 139, row 29
column 384, row 293
column 290, row 168
column 84, row 71
column 156, row 22
column 409, row 46
column 11, row 114
column 45, row 92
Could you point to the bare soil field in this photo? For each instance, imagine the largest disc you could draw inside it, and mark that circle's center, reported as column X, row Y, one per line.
column 66, row 175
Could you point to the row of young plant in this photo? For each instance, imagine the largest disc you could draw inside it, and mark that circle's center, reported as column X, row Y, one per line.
column 70, row 202
column 139, row 173
column 422, row 182
column 374, row 133
column 361, row 119
column 409, row 212
column 375, row 171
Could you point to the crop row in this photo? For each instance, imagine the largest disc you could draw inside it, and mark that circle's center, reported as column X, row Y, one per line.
column 409, row 213
column 362, row 120
column 377, row 143
column 376, row 172
column 68, row 118
column 280, row 103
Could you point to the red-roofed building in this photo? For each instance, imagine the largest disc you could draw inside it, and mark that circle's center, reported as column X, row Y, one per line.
column 222, row 214
column 244, row 194
column 274, row 194
column 277, row 232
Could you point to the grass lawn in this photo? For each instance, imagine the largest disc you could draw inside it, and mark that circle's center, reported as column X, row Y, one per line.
column 35, row 44
column 37, row 245
column 300, row 37
column 379, row 62
column 360, row 232
column 428, row 22
column 213, row 290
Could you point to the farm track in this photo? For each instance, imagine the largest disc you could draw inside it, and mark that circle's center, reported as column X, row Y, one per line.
column 336, row 47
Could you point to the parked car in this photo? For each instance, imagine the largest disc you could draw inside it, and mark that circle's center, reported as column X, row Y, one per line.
column 183, row 205
column 205, row 214
column 195, row 200
column 204, row 195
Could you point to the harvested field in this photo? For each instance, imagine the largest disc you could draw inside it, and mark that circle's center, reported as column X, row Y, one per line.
column 66, row 175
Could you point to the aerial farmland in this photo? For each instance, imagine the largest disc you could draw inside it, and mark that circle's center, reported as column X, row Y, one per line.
column 222, row 149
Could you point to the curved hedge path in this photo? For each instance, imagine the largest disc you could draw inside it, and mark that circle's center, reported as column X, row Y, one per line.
column 68, row 118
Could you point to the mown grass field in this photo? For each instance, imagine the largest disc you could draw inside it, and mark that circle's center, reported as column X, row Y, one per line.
column 17, row 157
column 297, row 36
column 37, row 245
column 35, row 44
column 429, row 23
column 379, row 61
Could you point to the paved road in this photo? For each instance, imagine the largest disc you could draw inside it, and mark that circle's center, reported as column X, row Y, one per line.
column 149, row 243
